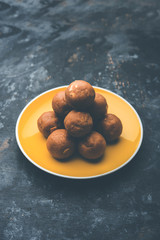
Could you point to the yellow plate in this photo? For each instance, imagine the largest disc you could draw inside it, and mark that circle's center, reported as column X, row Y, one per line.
column 33, row 144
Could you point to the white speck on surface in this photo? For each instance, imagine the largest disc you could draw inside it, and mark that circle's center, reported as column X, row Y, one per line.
column 147, row 198
column 32, row 56
column 97, row 217
column 9, row 101
column 36, row 78
column 128, row 57
column 15, row 15
column 135, row 56
column 11, row 87
column 24, row 40
column 1, row 125
column 44, row 202
column 133, row 214
column 97, row 220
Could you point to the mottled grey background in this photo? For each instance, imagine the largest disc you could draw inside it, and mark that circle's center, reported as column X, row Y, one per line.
column 114, row 44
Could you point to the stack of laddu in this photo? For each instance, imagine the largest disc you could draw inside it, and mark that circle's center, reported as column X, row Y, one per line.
column 79, row 121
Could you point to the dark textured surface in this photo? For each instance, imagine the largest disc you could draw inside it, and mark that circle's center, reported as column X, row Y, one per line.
column 113, row 44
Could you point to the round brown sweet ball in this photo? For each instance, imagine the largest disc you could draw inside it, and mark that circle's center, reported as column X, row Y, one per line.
column 48, row 122
column 110, row 127
column 60, row 105
column 78, row 124
column 99, row 107
column 80, row 94
column 60, row 144
column 92, row 146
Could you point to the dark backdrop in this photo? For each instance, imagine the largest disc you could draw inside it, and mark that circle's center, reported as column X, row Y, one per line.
column 114, row 44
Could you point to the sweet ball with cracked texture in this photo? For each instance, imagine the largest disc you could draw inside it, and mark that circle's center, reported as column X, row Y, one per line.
column 92, row 146
column 110, row 127
column 78, row 124
column 60, row 144
column 80, row 94
column 99, row 107
column 48, row 122
column 60, row 105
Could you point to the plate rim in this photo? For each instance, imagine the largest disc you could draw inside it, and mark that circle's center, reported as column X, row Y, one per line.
column 73, row 177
